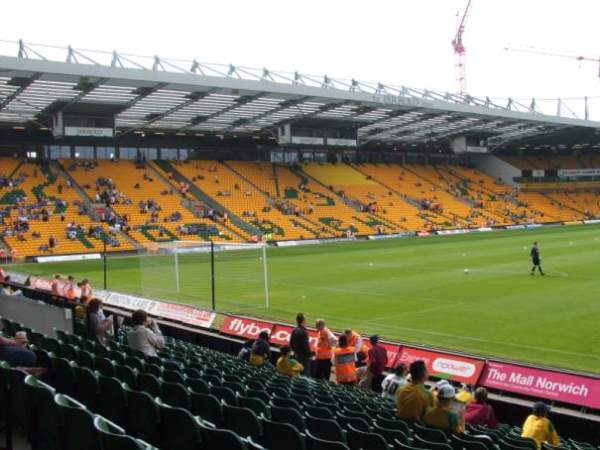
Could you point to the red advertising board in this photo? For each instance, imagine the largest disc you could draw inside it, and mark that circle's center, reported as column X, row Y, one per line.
column 444, row 365
column 562, row 387
column 243, row 327
column 281, row 335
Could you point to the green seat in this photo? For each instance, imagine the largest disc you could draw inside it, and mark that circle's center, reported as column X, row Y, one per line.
column 65, row 378
column 134, row 362
column 430, row 434
column 179, row 430
column 154, row 369
column 394, row 424
column 112, row 399
column 127, row 375
column 215, row 438
column 419, row 442
column 263, row 395
column 288, row 415
column 224, row 394
column 105, row 366
column 361, row 440
column 77, row 425
column 113, row 437
column 207, row 406
column 44, row 432
column 259, row 407
column 357, row 422
column 243, row 421
column 116, row 356
column 85, row 359
column 325, row 429
column 142, row 416
column 390, row 435
column 176, row 395
column 315, row 443
column 471, row 443
column 282, row 436
column 197, row 385
column 149, row 383
column 86, row 389
column 285, row 402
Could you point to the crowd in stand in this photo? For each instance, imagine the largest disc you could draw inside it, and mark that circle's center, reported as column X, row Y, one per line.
column 357, row 364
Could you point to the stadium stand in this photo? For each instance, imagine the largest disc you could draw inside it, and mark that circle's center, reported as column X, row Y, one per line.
column 153, row 211
column 193, row 397
column 162, row 201
column 43, row 207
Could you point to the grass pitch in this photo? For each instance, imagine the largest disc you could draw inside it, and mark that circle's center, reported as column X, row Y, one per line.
column 413, row 289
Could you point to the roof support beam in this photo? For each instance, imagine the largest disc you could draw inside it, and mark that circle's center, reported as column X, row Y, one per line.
column 15, row 94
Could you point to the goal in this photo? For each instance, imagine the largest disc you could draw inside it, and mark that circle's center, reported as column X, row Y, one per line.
column 232, row 276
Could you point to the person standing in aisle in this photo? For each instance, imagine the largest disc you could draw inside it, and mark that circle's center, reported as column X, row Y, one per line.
column 324, row 350
column 300, row 344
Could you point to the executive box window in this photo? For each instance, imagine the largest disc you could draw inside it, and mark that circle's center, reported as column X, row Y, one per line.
column 84, row 152
column 105, row 152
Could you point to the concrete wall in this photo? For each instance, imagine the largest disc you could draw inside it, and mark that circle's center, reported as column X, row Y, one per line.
column 496, row 168
column 35, row 314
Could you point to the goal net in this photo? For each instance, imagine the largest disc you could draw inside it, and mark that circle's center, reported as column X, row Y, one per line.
column 219, row 275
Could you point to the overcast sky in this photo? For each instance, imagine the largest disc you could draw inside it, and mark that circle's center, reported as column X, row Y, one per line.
column 396, row 41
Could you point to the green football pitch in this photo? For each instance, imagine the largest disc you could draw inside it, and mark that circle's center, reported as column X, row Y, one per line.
column 412, row 289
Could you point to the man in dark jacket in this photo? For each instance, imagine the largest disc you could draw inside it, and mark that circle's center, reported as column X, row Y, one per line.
column 299, row 341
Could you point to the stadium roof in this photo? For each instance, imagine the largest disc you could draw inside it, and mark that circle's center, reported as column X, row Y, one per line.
column 186, row 97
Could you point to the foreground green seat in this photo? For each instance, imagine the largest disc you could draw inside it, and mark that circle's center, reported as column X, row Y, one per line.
column 142, row 416
column 113, row 437
column 76, row 425
column 44, row 431
column 179, row 430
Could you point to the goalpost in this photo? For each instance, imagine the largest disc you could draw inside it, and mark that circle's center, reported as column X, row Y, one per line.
column 233, row 270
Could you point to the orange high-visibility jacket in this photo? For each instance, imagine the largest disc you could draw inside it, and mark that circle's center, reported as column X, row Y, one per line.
column 345, row 368
column 323, row 347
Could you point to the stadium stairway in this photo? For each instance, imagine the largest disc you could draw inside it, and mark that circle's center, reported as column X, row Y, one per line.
column 171, row 172
column 355, row 190
column 242, row 199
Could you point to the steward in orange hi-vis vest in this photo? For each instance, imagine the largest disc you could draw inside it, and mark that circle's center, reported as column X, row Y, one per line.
column 357, row 344
column 343, row 360
column 323, row 351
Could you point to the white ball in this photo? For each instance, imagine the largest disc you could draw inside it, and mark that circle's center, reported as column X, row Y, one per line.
column 370, row 264
column 466, row 270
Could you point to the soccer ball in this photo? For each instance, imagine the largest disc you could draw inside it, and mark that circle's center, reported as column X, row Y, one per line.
column 466, row 271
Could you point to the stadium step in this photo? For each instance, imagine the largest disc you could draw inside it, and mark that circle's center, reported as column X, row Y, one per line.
column 354, row 204
column 276, row 180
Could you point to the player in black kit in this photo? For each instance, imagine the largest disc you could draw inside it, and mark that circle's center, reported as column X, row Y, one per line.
column 535, row 259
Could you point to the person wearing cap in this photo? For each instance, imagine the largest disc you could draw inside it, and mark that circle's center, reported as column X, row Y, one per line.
column 377, row 363
column 442, row 416
column 436, row 389
column 479, row 412
column 538, row 427
column 413, row 399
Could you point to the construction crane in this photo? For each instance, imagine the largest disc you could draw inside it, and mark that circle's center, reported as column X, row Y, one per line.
column 555, row 53
column 459, row 52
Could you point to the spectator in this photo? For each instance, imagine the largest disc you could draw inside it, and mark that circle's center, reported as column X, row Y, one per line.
column 55, row 287
column 442, row 416
column 344, row 362
column 300, row 344
column 70, row 288
column 377, row 363
column 15, row 352
column 479, row 412
column 436, row 389
column 86, row 291
column 288, row 365
column 246, row 350
column 145, row 336
column 539, row 428
column 261, row 351
column 356, row 342
column 97, row 325
column 324, row 350
column 413, row 399
column 7, row 290
column 394, row 381
column 465, row 394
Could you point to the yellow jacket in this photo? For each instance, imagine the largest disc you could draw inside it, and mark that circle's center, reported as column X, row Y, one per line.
column 541, row 430
column 412, row 401
column 289, row 366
